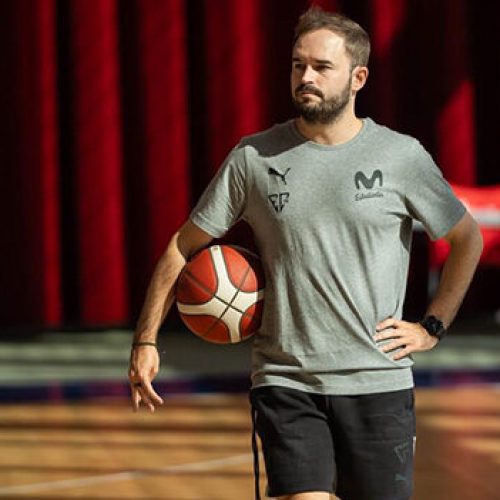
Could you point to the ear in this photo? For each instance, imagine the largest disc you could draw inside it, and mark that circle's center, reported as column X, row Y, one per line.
column 359, row 77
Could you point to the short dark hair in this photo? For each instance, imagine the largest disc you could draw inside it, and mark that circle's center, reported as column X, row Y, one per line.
column 356, row 39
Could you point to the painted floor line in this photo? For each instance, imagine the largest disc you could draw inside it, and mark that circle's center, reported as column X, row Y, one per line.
column 124, row 476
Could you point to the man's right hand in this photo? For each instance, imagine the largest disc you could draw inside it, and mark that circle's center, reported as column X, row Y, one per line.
column 144, row 366
column 144, row 359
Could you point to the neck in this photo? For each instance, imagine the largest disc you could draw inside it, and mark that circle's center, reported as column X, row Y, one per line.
column 345, row 128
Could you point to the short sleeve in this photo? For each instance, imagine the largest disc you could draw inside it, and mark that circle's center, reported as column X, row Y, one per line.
column 429, row 197
column 223, row 201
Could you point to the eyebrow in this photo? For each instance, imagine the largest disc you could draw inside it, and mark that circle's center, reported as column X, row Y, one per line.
column 317, row 61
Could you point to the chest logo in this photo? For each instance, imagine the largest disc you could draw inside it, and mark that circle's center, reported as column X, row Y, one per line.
column 368, row 183
column 278, row 200
column 272, row 171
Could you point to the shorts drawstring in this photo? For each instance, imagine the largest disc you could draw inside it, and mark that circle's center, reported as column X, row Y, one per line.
column 255, row 450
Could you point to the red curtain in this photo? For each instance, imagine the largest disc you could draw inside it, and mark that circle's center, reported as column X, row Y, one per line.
column 154, row 46
column 98, row 188
column 116, row 113
column 235, row 62
column 30, row 264
column 422, row 77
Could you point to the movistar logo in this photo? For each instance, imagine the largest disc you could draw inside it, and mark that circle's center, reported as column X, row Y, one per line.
column 368, row 183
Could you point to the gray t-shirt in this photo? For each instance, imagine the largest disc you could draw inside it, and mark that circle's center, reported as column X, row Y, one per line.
column 333, row 225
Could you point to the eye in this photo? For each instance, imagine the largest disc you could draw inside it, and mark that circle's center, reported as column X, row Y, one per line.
column 298, row 66
column 322, row 68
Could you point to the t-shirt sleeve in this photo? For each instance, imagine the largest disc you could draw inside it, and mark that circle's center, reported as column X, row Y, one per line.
column 429, row 197
column 223, row 202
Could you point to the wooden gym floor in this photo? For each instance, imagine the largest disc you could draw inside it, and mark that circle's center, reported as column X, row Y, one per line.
column 67, row 430
column 197, row 447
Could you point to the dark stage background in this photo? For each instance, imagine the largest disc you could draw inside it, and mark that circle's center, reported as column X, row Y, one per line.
column 115, row 115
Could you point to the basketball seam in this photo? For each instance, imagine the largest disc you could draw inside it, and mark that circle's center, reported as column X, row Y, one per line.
column 203, row 287
column 223, row 301
column 251, row 316
column 209, row 292
column 212, row 325
column 214, row 295
column 230, row 304
column 239, row 290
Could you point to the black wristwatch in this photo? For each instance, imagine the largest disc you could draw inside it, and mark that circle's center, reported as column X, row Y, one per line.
column 434, row 326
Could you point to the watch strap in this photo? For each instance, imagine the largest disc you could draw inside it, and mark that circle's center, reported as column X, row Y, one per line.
column 434, row 326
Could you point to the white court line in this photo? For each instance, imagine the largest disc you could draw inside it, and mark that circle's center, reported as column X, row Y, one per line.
column 124, row 476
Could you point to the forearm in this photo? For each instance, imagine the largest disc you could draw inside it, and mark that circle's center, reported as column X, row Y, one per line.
column 456, row 277
column 160, row 294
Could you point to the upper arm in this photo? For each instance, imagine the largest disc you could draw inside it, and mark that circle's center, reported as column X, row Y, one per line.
column 190, row 238
column 464, row 229
column 429, row 197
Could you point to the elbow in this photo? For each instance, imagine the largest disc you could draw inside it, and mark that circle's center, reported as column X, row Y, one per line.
column 480, row 240
column 477, row 239
column 473, row 242
column 467, row 239
column 173, row 253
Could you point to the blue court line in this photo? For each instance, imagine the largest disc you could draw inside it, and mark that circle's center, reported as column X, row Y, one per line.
column 75, row 391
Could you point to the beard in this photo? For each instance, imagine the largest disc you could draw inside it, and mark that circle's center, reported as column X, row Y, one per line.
column 326, row 111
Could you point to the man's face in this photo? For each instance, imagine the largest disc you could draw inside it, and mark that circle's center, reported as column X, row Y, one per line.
column 321, row 76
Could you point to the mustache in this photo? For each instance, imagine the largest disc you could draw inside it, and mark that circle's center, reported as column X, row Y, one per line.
column 305, row 87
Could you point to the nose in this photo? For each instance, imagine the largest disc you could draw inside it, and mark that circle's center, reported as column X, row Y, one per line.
column 308, row 75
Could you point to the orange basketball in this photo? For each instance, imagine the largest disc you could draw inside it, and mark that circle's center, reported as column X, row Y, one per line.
column 220, row 294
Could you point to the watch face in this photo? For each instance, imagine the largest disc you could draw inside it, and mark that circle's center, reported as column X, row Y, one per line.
column 434, row 326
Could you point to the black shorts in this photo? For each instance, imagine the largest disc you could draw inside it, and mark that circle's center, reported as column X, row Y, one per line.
column 358, row 447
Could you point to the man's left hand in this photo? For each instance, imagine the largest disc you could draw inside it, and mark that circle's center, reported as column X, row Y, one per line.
column 412, row 337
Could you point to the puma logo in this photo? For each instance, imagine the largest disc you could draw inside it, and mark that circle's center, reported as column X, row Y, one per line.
column 272, row 171
column 368, row 183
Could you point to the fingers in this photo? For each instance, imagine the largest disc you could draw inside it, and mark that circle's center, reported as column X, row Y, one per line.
column 393, row 345
column 136, row 398
column 406, row 347
column 152, row 395
column 403, row 353
column 144, row 365
column 409, row 337
column 144, row 398
column 398, row 333
column 388, row 323
column 388, row 335
column 143, row 392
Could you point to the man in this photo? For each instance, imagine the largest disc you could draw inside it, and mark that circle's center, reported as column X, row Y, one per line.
column 331, row 199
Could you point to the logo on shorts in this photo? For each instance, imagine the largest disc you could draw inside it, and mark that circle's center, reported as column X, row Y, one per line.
column 403, row 451
column 368, row 183
column 278, row 200
column 401, row 478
